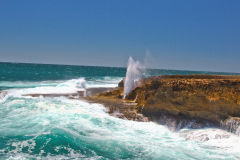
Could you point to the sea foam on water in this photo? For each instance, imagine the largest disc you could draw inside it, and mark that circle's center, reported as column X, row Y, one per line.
column 65, row 128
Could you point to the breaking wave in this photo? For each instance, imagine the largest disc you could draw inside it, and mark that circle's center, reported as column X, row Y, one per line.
column 63, row 128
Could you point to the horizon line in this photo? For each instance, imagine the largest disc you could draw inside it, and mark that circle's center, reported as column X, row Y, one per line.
column 78, row 65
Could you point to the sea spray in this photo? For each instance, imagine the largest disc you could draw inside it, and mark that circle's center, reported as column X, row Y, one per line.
column 79, row 84
column 3, row 96
column 134, row 72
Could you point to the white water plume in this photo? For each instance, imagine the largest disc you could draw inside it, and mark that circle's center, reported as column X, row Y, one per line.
column 134, row 70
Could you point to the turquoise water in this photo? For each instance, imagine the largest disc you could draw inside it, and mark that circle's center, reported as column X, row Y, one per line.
column 60, row 128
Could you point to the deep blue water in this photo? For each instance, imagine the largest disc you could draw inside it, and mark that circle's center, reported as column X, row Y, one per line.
column 43, row 72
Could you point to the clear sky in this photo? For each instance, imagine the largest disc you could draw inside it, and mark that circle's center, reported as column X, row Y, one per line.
column 178, row 34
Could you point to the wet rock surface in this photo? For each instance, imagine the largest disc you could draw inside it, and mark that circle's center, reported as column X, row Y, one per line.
column 119, row 108
column 232, row 124
column 87, row 92
column 125, row 109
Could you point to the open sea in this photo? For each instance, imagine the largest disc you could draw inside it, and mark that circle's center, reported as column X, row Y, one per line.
column 61, row 128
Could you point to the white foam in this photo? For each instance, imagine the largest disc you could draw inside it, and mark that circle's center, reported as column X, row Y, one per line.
column 213, row 137
column 90, row 123
column 55, row 87
column 68, row 87
column 3, row 96
column 110, row 82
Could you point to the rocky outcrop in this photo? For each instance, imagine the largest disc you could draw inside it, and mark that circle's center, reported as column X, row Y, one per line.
column 232, row 124
column 83, row 93
column 120, row 108
column 186, row 100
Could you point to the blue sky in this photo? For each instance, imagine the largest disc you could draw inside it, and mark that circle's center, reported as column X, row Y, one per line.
column 186, row 34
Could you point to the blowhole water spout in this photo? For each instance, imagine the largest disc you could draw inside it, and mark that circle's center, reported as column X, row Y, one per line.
column 133, row 74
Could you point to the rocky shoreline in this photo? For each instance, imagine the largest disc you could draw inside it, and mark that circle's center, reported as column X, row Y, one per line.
column 179, row 101
column 119, row 108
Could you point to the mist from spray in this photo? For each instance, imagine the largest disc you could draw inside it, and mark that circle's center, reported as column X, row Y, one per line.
column 149, row 61
column 134, row 72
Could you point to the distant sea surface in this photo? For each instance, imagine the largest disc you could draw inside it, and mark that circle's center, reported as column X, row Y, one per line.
column 61, row 128
column 43, row 72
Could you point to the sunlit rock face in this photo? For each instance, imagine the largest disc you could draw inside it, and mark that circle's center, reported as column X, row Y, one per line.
column 202, row 99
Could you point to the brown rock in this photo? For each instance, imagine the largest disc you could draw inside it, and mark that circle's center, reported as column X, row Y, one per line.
column 204, row 99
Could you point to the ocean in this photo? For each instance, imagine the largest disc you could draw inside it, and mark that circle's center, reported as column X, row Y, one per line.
column 62, row 128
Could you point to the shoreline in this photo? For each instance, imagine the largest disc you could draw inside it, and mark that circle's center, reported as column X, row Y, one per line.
column 119, row 108
column 182, row 101
column 177, row 101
